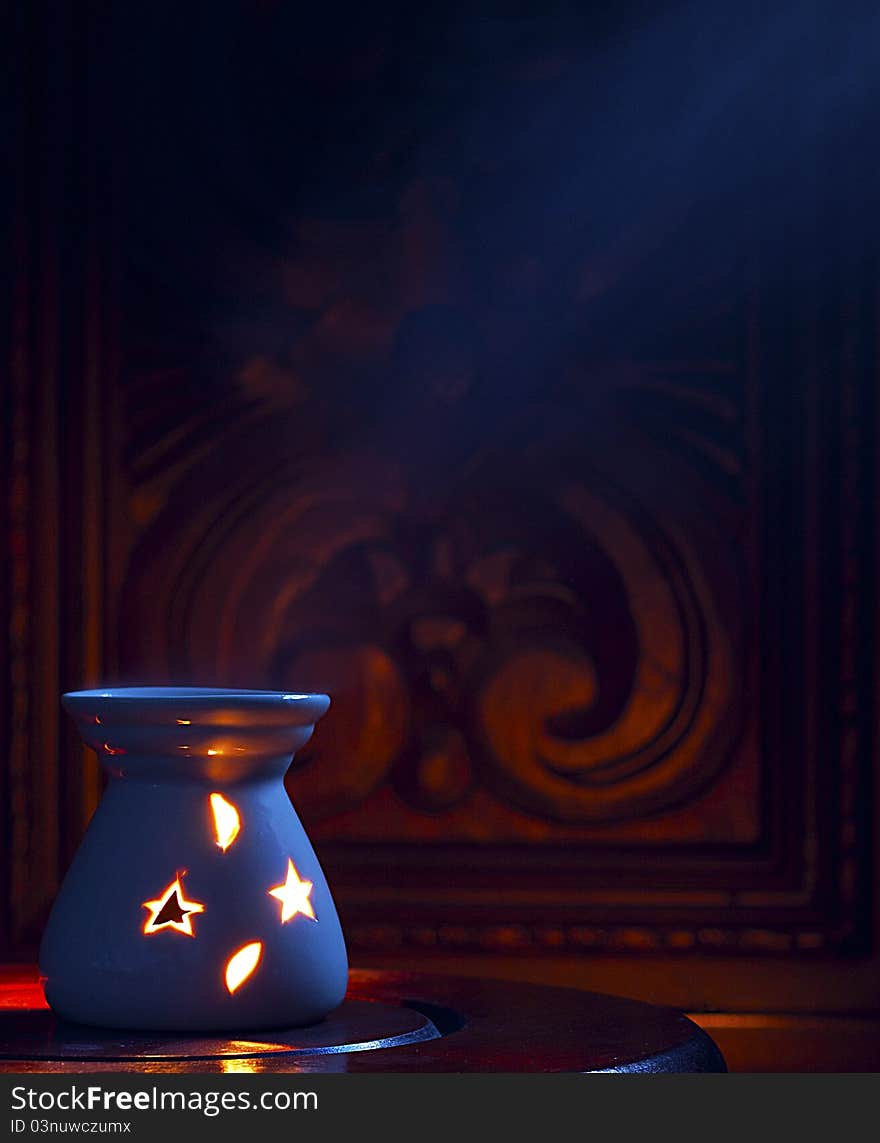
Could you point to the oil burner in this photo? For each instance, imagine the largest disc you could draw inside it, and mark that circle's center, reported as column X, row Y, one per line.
column 195, row 901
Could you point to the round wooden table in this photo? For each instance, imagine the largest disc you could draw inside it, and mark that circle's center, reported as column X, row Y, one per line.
column 389, row 1022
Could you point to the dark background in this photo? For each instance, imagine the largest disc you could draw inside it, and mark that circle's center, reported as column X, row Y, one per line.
column 508, row 371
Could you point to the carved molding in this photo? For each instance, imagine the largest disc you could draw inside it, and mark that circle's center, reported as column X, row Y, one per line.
column 597, row 626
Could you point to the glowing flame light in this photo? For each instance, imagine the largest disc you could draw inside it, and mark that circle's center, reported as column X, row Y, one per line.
column 227, row 823
column 172, row 911
column 241, row 964
column 294, row 895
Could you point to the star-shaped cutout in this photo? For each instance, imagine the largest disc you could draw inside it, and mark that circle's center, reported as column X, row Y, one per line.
column 294, row 895
column 172, row 911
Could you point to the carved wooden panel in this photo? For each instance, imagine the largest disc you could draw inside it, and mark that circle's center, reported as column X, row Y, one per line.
column 516, row 439
column 57, row 351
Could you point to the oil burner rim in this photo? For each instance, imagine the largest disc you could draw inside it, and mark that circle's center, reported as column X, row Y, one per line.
column 163, row 693
column 203, row 704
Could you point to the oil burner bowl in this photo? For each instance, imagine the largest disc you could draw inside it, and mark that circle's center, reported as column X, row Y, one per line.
column 195, row 901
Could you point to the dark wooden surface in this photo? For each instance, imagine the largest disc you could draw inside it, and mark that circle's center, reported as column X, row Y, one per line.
column 489, row 1026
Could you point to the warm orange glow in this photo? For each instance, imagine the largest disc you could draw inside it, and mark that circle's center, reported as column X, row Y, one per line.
column 172, row 911
column 294, row 895
column 241, row 964
column 227, row 823
column 184, row 722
